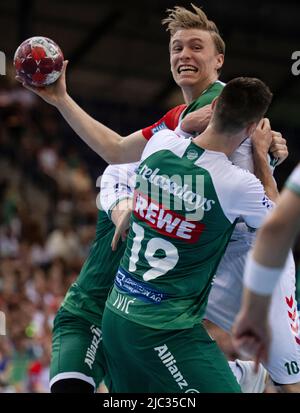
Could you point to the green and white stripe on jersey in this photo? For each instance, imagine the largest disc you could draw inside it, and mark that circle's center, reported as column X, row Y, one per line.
column 293, row 182
column 186, row 203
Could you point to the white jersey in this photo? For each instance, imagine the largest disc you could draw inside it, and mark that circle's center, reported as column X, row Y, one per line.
column 225, row 299
column 117, row 183
column 243, row 158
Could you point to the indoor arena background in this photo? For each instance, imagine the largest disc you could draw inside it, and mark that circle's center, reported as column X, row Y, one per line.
column 119, row 73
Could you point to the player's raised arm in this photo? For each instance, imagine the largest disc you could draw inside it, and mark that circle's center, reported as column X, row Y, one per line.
column 104, row 141
column 111, row 146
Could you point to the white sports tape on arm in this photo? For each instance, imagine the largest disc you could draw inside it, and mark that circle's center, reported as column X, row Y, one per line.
column 260, row 279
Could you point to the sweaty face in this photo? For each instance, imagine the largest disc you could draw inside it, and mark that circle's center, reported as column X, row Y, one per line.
column 194, row 58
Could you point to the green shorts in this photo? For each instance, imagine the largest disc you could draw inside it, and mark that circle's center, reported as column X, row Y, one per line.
column 145, row 360
column 77, row 350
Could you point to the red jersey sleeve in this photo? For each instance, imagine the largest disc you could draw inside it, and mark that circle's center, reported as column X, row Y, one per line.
column 168, row 121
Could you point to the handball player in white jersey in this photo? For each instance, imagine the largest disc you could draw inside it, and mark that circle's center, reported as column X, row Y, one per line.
column 265, row 272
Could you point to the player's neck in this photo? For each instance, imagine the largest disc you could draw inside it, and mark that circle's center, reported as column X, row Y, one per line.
column 190, row 93
column 211, row 140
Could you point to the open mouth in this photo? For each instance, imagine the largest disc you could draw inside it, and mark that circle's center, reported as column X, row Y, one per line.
column 187, row 69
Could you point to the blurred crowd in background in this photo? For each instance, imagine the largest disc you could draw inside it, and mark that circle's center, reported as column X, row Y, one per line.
column 47, row 222
column 48, row 214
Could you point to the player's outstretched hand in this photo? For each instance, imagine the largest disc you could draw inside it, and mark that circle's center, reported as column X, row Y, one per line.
column 279, row 147
column 197, row 121
column 52, row 94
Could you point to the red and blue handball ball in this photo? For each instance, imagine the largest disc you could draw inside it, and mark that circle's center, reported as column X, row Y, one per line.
column 38, row 61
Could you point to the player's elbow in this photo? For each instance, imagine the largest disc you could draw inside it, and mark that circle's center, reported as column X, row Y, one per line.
column 114, row 155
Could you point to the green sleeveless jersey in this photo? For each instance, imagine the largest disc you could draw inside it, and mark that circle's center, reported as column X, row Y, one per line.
column 186, row 203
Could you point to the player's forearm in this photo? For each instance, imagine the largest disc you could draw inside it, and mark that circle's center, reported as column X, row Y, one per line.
column 272, row 245
column 97, row 136
column 255, row 305
column 263, row 172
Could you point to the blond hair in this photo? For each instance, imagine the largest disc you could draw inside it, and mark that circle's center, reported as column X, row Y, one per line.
column 180, row 18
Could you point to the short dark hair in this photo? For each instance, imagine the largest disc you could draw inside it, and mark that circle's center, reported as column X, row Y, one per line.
column 244, row 100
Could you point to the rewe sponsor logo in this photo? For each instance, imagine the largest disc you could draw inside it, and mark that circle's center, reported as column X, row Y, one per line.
column 169, row 361
column 92, row 349
column 166, row 222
